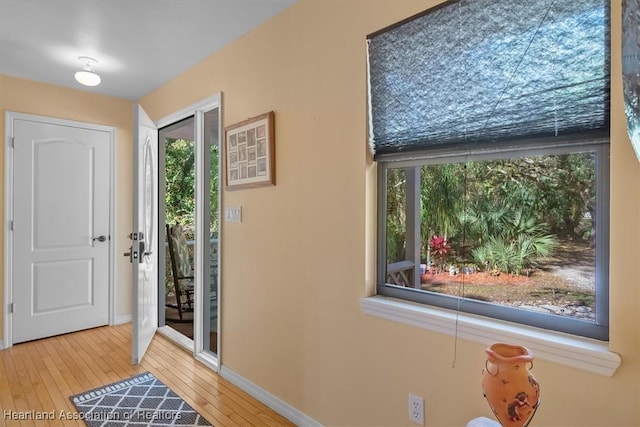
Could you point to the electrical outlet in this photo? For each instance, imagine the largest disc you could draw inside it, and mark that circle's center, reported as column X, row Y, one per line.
column 416, row 409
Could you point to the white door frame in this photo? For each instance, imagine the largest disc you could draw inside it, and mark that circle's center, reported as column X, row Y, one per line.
column 197, row 110
column 8, row 212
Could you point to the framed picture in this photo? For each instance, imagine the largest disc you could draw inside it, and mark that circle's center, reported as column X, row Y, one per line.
column 250, row 153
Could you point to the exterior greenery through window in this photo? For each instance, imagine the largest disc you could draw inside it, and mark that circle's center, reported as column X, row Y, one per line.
column 489, row 122
column 517, row 232
column 506, row 216
column 180, row 198
column 180, row 184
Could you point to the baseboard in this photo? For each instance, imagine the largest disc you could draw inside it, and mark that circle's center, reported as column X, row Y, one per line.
column 127, row 318
column 1, row 345
column 289, row 412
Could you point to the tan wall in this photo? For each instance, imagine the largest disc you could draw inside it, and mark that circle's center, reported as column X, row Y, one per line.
column 295, row 268
column 24, row 96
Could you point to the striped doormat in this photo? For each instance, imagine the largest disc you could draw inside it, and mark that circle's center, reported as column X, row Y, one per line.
column 142, row 400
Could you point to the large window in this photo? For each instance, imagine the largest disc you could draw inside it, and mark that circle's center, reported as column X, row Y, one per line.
column 490, row 123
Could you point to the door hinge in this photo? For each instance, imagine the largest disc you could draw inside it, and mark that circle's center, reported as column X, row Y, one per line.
column 12, row 142
column 11, row 308
column 11, row 225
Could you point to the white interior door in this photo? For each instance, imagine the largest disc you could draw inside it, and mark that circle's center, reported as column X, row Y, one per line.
column 144, row 250
column 61, row 196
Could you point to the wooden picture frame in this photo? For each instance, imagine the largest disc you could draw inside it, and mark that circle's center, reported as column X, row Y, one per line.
column 250, row 153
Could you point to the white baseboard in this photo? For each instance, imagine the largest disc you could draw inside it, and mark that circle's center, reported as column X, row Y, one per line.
column 289, row 412
column 127, row 318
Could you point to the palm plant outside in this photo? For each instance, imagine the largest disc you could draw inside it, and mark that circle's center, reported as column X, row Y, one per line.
column 503, row 217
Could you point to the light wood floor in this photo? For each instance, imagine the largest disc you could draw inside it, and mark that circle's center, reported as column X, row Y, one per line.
column 41, row 375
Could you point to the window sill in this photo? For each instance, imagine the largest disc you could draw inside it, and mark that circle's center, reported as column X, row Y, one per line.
column 577, row 352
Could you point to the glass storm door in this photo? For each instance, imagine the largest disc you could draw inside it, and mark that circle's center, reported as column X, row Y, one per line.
column 190, row 196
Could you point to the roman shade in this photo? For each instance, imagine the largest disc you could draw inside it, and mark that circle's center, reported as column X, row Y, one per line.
column 484, row 71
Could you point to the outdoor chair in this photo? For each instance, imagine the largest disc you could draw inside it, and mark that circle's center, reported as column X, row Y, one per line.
column 181, row 271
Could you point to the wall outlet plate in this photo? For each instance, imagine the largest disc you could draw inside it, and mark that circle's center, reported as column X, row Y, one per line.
column 416, row 409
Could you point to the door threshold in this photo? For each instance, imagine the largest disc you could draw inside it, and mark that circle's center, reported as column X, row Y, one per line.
column 176, row 337
column 186, row 344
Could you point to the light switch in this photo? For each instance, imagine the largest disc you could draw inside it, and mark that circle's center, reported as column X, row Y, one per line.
column 233, row 214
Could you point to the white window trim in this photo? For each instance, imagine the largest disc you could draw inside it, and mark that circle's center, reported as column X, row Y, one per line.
column 577, row 352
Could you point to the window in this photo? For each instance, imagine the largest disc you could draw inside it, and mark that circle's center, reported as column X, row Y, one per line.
column 491, row 132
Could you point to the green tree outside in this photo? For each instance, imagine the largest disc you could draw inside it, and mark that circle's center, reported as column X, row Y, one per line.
column 500, row 214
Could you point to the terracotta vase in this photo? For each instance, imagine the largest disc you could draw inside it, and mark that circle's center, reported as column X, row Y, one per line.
column 509, row 387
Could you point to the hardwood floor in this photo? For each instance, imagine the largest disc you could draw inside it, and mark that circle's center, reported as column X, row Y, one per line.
column 40, row 376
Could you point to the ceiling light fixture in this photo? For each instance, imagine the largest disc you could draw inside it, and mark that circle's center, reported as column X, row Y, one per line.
column 87, row 76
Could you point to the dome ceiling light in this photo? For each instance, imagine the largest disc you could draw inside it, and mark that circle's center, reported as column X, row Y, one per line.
column 87, row 76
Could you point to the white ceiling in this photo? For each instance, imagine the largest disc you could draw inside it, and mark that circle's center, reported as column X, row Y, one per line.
column 139, row 44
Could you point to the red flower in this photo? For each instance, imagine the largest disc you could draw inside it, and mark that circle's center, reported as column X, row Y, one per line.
column 439, row 245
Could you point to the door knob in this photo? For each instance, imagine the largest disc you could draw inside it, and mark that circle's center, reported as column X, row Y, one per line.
column 100, row 239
